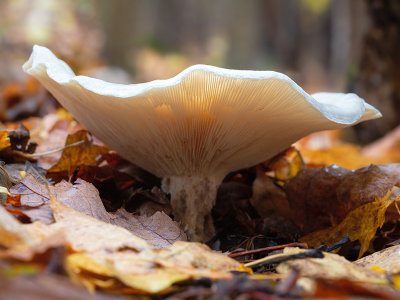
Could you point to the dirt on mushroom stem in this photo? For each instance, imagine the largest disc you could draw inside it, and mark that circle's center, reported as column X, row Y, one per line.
column 192, row 199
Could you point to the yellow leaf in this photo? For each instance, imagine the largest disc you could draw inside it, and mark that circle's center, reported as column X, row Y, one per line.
column 360, row 224
column 83, row 154
column 87, row 270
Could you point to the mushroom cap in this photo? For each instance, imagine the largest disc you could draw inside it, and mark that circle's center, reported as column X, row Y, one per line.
column 205, row 120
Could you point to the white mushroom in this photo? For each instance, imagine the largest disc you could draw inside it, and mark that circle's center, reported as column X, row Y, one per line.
column 193, row 129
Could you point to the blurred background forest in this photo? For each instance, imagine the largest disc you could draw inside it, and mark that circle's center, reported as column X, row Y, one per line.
column 329, row 45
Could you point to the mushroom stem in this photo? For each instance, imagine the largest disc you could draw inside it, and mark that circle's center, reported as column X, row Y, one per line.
column 192, row 199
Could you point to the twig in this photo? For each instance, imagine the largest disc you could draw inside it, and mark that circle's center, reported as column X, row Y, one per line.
column 28, row 155
column 281, row 257
column 345, row 240
column 272, row 248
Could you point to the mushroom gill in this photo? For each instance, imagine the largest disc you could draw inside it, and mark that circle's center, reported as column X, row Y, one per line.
column 193, row 129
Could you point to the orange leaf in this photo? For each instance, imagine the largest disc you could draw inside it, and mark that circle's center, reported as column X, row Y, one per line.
column 4, row 139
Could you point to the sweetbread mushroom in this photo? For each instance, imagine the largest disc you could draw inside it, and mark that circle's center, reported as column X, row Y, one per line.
column 193, row 129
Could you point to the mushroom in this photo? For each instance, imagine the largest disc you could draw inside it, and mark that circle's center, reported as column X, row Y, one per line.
column 195, row 128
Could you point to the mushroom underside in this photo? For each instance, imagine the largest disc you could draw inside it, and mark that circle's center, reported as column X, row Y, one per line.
column 195, row 128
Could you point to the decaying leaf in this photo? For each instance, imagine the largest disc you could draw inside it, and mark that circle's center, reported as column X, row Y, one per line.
column 12, row 233
column 152, row 271
column 388, row 260
column 332, row 266
column 45, row 287
column 106, row 256
column 268, row 199
column 83, row 154
column 159, row 229
column 323, row 197
column 360, row 224
column 142, row 276
column 88, row 234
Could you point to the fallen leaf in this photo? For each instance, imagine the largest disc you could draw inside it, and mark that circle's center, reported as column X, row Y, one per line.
column 4, row 139
column 83, row 154
column 45, row 287
column 151, row 272
column 88, row 234
column 331, row 267
column 348, row 289
column 12, row 233
column 104, row 255
column 322, row 197
column 347, row 156
column 269, row 199
column 102, row 272
column 360, row 224
column 159, row 229
column 387, row 259
column 34, row 200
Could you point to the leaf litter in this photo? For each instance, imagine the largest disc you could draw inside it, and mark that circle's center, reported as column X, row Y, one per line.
column 135, row 247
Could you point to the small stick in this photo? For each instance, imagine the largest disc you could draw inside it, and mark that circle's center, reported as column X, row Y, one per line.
column 272, row 248
column 28, row 155
column 277, row 258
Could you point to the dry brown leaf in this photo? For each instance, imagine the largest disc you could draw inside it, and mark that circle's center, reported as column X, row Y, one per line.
column 82, row 233
column 332, row 266
column 103, row 272
column 269, row 199
column 45, row 287
column 150, row 272
column 88, row 234
column 159, row 229
column 83, row 154
column 360, row 224
column 196, row 257
column 105, row 256
column 321, row 198
column 12, row 233
column 387, row 259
